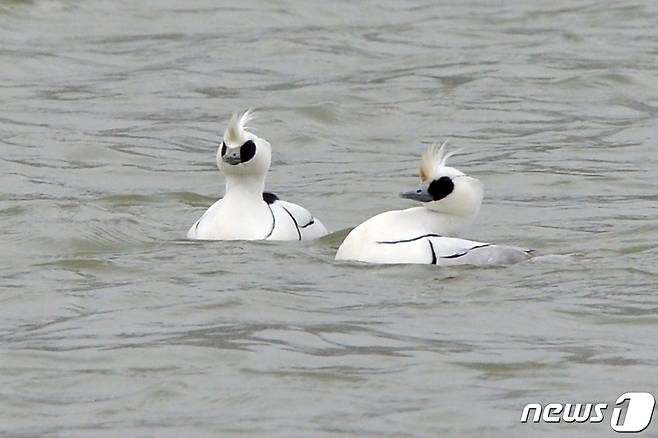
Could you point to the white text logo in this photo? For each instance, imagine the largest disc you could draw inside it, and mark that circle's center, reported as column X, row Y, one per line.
column 632, row 412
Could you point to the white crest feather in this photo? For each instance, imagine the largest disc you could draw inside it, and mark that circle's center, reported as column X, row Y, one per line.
column 237, row 127
column 434, row 159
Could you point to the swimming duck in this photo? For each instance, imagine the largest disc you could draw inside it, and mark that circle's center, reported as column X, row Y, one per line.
column 246, row 212
column 451, row 201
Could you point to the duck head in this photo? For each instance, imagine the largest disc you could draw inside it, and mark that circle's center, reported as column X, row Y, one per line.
column 445, row 189
column 242, row 153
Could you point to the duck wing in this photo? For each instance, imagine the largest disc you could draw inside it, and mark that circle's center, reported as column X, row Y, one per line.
column 292, row 221
column 454, row 251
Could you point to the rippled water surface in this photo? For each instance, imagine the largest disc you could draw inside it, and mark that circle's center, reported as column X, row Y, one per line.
column 111, row 324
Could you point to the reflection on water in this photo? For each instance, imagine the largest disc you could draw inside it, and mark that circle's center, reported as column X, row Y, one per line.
column 111, row 323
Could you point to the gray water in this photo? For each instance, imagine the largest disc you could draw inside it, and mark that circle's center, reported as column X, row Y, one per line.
column 111, row 324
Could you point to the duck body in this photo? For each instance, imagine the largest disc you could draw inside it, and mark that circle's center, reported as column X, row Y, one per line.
column 412, row 236
column 246, row 218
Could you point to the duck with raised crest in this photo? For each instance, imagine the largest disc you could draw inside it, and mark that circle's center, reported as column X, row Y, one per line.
column 425, row 234
column 246, row 212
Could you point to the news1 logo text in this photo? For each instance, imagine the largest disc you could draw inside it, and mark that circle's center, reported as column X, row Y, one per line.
column 631, row 413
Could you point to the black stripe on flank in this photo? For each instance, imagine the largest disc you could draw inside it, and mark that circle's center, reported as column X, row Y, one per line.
column 409, row 240
column 196, row 226
column 273, row 222
column 433, row 253
column 454, row 256
column 299, row 233
column 308, row 224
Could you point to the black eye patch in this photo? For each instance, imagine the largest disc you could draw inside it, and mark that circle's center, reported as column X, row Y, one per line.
column 440, row 188
column 247, row 151
column 223, row 149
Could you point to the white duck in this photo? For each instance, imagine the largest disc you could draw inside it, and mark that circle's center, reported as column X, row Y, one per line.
column 451, row 200
column 246, row 212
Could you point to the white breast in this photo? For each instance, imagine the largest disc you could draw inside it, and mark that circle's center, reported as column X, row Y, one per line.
column 232, row 220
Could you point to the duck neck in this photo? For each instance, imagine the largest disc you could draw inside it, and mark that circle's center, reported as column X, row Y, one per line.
column 245, row 186
column 440, row 223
